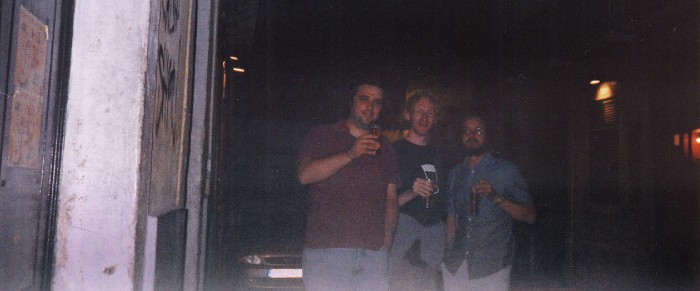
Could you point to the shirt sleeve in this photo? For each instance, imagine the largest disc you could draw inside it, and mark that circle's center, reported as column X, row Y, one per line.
column 516, row 190
column 312, row 145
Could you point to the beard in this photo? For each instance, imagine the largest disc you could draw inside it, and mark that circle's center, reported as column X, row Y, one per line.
column 357, row 121
column 475, row 151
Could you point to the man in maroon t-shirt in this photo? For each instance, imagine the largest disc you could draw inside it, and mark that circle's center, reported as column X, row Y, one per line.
column 352, row 176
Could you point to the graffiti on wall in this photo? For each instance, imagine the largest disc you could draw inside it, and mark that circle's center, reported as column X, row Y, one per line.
column 172, row 98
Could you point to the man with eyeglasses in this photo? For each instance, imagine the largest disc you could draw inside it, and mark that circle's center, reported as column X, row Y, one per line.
column 422, row 206
column 486, row 195
column 352, row 175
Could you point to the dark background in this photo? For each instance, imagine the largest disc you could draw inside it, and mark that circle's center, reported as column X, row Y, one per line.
column 617, row 203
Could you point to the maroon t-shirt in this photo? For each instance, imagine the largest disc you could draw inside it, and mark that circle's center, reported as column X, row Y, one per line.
column 347, row 209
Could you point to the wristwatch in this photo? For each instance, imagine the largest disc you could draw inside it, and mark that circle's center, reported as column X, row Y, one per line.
column 498, row 199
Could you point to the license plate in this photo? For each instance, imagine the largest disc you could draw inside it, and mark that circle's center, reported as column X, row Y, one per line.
column 284, row 273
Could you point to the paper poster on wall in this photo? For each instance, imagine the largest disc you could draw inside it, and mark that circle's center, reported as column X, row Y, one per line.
column 32, row 40
column 27, row 100
column 25, row 129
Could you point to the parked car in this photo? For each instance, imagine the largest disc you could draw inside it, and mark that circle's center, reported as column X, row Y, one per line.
column 269, row 252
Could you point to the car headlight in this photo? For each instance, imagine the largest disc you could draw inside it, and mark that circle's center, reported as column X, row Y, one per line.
column 252, row 259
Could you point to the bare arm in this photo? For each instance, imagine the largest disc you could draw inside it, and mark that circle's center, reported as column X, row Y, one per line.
column 318, row 170
column 520, row 212
column 312, row 171
column 421, row 187
column 391, row 217
column 407, row 196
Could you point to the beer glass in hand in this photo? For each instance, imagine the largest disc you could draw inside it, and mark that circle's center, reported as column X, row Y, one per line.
column 431, row 176
column 375, row 129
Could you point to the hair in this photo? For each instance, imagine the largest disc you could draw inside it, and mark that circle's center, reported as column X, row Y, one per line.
column 347, row 94
column 475, row 115
column 354, row 87
column 416, row 95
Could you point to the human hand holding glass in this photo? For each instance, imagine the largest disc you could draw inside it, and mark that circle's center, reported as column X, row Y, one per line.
column 431, row 176
column 481, row 188
column 376, row 130
column 366, row 144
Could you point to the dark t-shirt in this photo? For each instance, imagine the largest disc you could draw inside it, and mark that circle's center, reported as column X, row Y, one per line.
column 411, row 157
column 347, row 209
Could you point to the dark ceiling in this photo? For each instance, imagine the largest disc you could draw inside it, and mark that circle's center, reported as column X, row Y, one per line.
column 417, row 28
column 310, row 45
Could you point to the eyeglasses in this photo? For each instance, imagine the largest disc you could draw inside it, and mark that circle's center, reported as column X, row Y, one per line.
column 477, row 131
column 429, row 113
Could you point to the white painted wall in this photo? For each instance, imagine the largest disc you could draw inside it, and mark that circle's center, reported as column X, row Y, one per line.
column 95, row 248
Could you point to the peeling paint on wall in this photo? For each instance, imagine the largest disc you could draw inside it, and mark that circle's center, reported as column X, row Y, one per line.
column 96, row 236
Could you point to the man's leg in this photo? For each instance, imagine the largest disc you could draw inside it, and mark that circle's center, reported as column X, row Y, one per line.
column 371, row 270
column 499, row 281
column 432, row 245
column 345, row 269
column 406, row 233
column 459, row 281
column 328, row 269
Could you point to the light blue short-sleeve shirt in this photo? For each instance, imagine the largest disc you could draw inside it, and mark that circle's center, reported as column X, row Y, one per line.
column 487, row 237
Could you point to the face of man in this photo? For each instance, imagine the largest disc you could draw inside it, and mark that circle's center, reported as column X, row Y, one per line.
column 366, row 106
column 422, row 117
column 474, row 136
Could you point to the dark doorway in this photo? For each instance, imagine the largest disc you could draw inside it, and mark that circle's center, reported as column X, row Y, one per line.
column 600, row 171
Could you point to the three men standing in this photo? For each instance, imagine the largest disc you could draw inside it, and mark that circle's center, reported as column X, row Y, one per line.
column 353, row 176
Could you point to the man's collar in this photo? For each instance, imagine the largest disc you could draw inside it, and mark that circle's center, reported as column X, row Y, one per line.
column 487, row 156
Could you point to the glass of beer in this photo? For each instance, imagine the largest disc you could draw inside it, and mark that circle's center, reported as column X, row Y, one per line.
column 431, row 176
column 375, row 129
column 474, row 201
column 426, row 200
